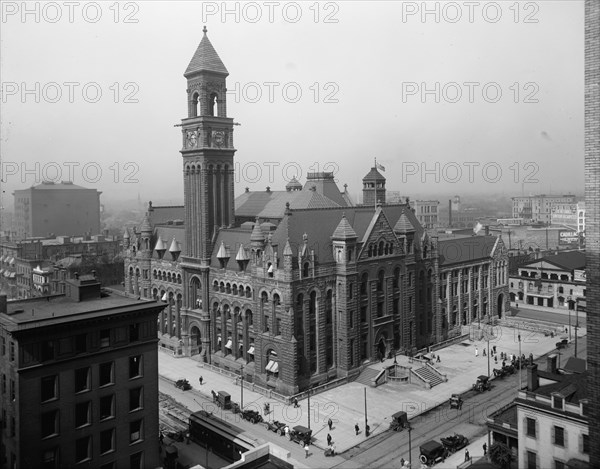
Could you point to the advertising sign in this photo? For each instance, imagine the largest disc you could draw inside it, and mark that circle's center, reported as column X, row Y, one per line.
column 566, row 237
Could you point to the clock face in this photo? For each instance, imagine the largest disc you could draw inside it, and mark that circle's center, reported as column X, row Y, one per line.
column 218, row 138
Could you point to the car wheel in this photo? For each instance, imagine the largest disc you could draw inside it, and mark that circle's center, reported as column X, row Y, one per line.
column 252, row 420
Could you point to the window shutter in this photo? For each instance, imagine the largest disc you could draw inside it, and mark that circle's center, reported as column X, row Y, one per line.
column 580, row 442
column 537, row 429
column 565, row 437
column 552, row 433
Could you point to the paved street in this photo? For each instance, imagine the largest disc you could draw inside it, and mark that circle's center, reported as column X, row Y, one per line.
column 345, row 405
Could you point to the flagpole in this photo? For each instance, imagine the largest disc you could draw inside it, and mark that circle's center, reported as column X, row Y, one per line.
column 375, row 186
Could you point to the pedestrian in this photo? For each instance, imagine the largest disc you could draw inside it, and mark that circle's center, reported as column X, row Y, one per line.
column 306, row 450
column 295, row 403
column 201, row 379
column 286, row 430
column 401, row 462
column 484, row 449
column 330, row 424
column 484, row 354
column 214, row 395
column 367, row 430
column 356, row 428
column 333, row 450
column 438, row 359
column 467, row 455
column 187, row 438
column 476, row 352
column 267, row 408
column 531, row 358
column 494, row 350
column 328, row 439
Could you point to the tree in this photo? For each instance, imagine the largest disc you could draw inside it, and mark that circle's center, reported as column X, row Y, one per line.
column 500, row 455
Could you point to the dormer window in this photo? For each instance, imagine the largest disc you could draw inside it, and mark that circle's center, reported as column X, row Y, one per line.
column 557, row 402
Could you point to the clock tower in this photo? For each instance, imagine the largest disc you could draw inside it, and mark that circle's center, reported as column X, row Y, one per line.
column 207, row 153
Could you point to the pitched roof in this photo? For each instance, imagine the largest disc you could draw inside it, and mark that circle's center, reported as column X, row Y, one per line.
column 51, row 185
column 344, row 230
column 205, row 59
column 374, row 175
column 573, row 387
column 469, row 248
column 566, row 260
column 403, row 225
column 272, row 204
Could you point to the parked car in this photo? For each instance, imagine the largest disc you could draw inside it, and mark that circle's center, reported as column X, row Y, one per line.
column 562, row 343
column 276, row 426
column 300, row 434
column 399, row 421
column 223, row 400
column 183, row 384
column 252, row 416
column 456, row 401
column 482, row 384
column 455, row 442
column 433, row 452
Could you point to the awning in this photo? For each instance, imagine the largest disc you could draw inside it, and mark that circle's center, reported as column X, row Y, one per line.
column 275, row 367
column 251, row 350
column 269, row 365
column 228, row 344
column 13, row 275
column 12, row 261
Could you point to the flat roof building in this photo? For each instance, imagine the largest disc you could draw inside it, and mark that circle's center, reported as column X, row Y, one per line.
column 80, row 379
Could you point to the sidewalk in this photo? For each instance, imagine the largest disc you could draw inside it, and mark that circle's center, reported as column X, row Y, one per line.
column 345, row 405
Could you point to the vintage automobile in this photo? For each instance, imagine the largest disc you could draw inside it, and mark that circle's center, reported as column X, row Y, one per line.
column 276, row 426
column 252, row 416
column 183, row 384
column 433, row 452
column 399, row 421
column 482, row 384
column 455, row 442
column 562, row 343
column 500, row 372
column 223, row 400
column 456, row 401
column 300, row 434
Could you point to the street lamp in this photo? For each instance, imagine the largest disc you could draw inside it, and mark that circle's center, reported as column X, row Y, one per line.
column 569, row 306
column 409, row 428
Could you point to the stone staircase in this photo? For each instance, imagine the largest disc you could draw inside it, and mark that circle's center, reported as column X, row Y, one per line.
column 427, row 373
column 366, row 376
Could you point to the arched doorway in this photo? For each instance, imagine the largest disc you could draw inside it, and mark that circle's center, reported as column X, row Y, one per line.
column 381, row 349
column 500, row 306
column 195, row 341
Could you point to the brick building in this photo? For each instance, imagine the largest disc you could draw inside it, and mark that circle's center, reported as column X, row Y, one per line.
column 61, row 209
column 538, row 208
column 297, row 286
column 79, row 380
column 592, row 206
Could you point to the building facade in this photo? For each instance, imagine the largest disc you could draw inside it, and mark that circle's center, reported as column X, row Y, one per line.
column 79, row 380
column 426, row 212
column 538, row 208
column 56, row 209
column 554, row 281
column 297, row 287
column 553, row 421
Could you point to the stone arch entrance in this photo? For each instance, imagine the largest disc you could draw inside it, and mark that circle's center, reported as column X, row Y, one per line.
column 195, row 341
column 381, row 349
column 500, row 306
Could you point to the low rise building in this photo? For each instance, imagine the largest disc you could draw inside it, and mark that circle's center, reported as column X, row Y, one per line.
column 555, row 281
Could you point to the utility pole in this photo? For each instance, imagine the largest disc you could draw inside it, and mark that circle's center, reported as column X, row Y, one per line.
column 409, row 428
column 520, row 374
column 576, row 326
column 366, row 424
column 488, row 355
column 308, row 409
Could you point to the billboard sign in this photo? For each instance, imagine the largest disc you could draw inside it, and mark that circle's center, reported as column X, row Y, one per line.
column 567, row 237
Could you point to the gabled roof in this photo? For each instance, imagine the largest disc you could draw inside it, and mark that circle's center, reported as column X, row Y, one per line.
column 572, row 260
column 403, row 225
column 272, row 204
column 205, row 59
column 469, row 248
column 572, row 387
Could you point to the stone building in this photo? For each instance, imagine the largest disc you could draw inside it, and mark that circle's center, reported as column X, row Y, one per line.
column 293, row 288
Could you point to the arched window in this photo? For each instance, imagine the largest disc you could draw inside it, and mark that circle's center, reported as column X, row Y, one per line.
column 397, row 277
column 380, row 251
column 380, row 280
column 194, row 104
column 248, row 292
column 305, row 269
column 364, row 279
column 213, row 109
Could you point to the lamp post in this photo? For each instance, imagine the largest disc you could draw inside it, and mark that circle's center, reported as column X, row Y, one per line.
column 409, row 428
column 576, row 327
column 308, row 408
column 242, row 387
column 520, row 374
column 366, row 424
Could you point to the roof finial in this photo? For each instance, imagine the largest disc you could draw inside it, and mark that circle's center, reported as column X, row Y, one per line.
column 204, row 30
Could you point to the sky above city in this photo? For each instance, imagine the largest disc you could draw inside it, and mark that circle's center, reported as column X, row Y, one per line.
column 449, row 97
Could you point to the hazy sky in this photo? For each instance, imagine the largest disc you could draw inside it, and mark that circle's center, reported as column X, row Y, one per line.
column 451, row 97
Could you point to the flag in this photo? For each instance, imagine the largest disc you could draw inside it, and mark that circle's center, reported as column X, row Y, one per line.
column 381, row 167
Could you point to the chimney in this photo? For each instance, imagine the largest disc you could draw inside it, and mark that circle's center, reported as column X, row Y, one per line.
column 551, row 363
column 532, row 378
column 449, row 213
column 3, row 307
